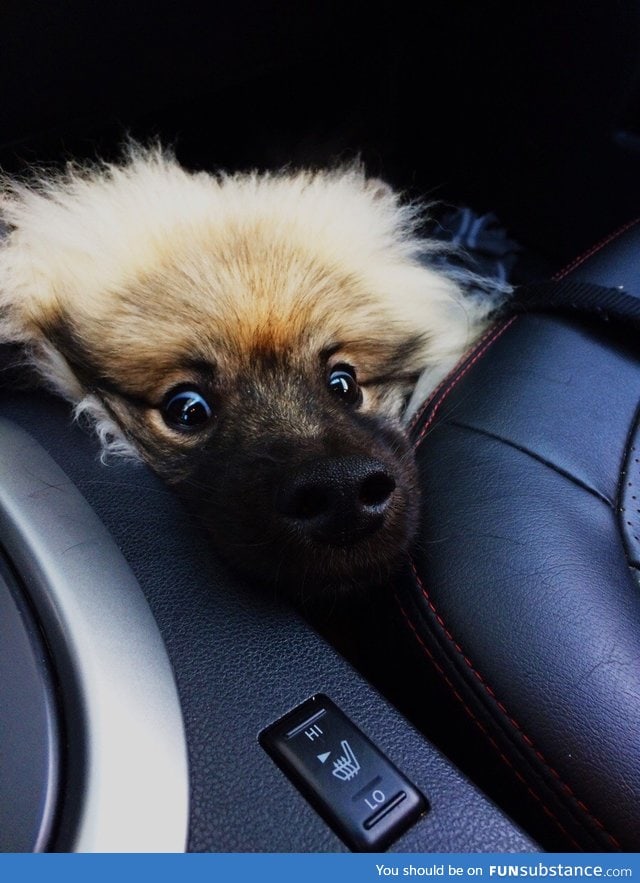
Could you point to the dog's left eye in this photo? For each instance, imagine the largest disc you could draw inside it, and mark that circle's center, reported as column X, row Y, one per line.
column 186, row 409
column 342, row 383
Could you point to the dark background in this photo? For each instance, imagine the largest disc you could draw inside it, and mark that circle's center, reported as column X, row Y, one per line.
column 531, row 110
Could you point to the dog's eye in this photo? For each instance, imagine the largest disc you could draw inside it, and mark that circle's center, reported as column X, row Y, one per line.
column 342, row 383
column 186, row 409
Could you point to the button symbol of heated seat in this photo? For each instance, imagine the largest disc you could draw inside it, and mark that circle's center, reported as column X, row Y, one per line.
column 346, row 767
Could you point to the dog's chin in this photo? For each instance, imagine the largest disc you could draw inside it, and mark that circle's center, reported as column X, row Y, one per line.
column 313, row 572
column 323, row 572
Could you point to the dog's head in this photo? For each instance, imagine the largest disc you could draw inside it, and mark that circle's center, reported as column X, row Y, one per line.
column 253, row 338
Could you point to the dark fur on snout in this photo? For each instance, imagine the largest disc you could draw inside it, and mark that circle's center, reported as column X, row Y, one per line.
column 235, row 482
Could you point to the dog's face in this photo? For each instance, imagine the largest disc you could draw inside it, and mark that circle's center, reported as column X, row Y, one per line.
column 254, row 340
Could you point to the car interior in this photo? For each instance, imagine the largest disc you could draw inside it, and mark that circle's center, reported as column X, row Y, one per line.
column 488, row 699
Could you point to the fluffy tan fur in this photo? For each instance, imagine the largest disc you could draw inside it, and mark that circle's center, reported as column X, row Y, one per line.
column 150, row 263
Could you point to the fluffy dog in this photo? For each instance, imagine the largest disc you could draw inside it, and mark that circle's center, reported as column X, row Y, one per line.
column 254, row 338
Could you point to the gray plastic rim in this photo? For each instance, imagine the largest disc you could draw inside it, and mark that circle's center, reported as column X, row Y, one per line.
column 127, row 770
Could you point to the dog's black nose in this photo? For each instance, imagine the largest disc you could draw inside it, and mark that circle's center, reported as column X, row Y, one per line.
column 337, row 500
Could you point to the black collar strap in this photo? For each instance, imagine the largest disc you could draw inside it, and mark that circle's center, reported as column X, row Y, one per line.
column 575, row 297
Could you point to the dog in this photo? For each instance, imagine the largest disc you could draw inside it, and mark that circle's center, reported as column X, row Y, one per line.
column 259, row 340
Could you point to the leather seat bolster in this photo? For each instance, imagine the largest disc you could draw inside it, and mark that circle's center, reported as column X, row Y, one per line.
column 524, row 590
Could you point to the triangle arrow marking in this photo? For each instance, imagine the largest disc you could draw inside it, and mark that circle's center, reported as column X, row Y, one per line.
column 323, row 757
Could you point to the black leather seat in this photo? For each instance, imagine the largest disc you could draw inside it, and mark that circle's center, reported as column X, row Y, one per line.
column 525, row 592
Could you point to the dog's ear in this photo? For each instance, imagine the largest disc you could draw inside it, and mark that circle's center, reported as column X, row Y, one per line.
column 30, row 318
column 41, row 255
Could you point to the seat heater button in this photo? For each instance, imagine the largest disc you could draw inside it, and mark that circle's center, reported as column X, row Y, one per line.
column 359, row 792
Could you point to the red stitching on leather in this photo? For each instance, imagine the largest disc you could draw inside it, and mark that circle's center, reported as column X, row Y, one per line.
column 493, row 330
column 503, row 757
column 427, row 402
column 594, row 249
column 480, row 350
column 488, row 340
column 567, row 788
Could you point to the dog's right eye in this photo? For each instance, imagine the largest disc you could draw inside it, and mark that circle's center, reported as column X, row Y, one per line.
column 186, row 410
